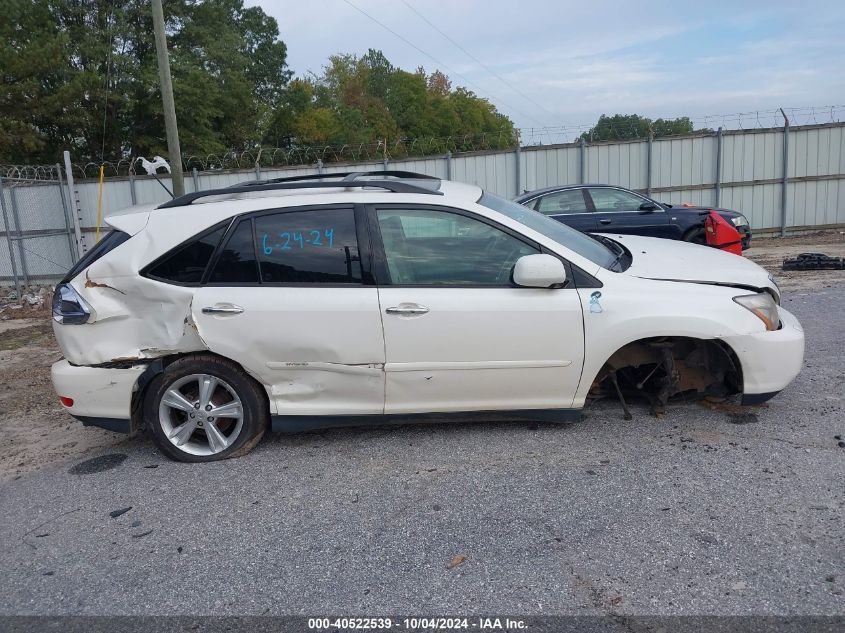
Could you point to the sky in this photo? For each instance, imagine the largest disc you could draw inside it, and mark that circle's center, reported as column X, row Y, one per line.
column 548, row 63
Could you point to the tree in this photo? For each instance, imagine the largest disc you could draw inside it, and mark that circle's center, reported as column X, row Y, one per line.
column 632, row 126
column 82, row 75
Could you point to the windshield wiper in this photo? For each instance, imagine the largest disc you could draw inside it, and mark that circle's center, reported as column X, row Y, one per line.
column 613, row 247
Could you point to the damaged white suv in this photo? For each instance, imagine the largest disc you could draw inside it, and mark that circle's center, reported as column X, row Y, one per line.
column 357, row 298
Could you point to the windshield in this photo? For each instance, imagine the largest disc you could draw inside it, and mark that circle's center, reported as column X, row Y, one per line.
column 566, row 236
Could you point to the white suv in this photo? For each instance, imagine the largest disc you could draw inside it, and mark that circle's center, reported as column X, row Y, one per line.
column 354, row 298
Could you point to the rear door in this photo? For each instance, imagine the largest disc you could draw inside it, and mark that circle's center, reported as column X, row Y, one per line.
column 459, row 335
column 287, row 299
column 570, row 206
column 618, row 211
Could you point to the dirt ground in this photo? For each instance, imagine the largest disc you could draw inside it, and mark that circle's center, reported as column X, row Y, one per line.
column 771, row 252
column 35, row 432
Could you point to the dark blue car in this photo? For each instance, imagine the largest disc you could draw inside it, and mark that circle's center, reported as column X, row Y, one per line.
column 610, row 209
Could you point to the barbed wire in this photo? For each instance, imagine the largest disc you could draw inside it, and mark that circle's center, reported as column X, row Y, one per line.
column 755, row 119
column 404, row 148
column 30, row 172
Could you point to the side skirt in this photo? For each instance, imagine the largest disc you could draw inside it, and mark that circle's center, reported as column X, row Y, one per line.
column 298, row 423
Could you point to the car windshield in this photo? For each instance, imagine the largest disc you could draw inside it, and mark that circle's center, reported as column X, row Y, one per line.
column 566, row 236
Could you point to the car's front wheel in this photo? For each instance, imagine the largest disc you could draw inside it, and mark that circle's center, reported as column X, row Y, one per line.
column 204, row 408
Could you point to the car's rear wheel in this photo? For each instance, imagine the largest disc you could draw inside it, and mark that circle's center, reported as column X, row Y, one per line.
column 696, row 236
column 204, row 408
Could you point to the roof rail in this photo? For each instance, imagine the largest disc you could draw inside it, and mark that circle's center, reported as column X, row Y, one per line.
column 346, row 176
column 348, row 180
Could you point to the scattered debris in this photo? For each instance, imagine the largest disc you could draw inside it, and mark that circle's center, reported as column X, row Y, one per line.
column 151, row 466
column 457, row 559
column 116, row 513
column 814, row 261
column 135, row 524
column 142, row 534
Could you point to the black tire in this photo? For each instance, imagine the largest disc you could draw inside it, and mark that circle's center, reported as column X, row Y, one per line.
column 696, row 236
column 255, row 414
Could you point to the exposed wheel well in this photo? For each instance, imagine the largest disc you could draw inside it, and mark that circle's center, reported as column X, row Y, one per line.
column 158, row 366
column 659, row 368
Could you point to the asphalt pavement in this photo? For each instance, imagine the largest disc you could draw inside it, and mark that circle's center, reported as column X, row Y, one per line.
column 703, row 511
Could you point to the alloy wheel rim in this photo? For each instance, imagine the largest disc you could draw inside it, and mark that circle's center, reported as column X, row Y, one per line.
column 201, row 414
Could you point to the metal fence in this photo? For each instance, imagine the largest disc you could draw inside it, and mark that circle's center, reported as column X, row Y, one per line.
column 783, row 179
column 38, row 242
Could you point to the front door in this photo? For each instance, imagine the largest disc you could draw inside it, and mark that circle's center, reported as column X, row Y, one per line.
column 619, row 211
column 459, row 335
column 286, row 300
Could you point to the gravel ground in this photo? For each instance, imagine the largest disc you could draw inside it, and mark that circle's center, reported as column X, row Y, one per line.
column 714, row 510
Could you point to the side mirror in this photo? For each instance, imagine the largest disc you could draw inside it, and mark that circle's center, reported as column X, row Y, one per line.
column 539, row 271
column 648, row 206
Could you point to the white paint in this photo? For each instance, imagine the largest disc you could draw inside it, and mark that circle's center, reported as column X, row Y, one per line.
column 338, row 350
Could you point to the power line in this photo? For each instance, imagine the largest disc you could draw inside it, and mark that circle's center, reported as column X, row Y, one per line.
column 437, row 61
column 481, row 63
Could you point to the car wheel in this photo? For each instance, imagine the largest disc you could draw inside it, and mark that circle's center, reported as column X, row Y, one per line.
column 204, row 408
column 696, row 236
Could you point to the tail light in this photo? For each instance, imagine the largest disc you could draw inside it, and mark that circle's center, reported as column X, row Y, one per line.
column 68, row 307
column 68, row 402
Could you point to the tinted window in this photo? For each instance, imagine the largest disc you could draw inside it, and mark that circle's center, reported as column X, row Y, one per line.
column 187, row 264
column 236, row 263
column 615, row 200
column 441, row 248
column 318, row 246
column 569, row 201
column 564, row 235
column 108, row 243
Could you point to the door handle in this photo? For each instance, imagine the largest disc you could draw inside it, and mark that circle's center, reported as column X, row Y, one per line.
column 605, row 221
column 223, row 308
column 407, row 309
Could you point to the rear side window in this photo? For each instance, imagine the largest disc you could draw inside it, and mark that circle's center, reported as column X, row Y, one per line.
column 236, row 263
column 317, row 246
column 111, row 241
column 187, row 264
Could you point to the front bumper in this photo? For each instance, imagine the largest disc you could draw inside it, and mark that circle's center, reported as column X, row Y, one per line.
column 770, row 360
column 101, row 396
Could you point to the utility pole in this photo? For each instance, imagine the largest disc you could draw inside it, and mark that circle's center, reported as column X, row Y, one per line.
column 167, row 101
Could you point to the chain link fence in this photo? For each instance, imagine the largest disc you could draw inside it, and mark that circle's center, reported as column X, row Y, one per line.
column 37, row 244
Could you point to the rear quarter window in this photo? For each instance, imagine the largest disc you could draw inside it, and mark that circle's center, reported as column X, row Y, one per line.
column 186, row 264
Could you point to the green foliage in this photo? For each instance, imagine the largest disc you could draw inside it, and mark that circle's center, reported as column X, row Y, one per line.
column 65, row 64
column 620, row 127
column 82, row 75
column 367, row 100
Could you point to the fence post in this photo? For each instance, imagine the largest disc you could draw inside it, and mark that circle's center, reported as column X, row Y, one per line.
column 319, row 166
column 583, row 156
column 195, row 178
column 74, row 207
column 783, row 191
column 257, row 171
column 719, row 167
column 66, row 210
column 17, row 217
column 132, row 193
column 648, row 164
column 384, row 163
column 518, row 167
column 8, row 228
column 448, row 164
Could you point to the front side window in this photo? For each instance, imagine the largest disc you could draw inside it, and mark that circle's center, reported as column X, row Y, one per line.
column 441, row 248
column 610, row 200
column 316, row 246
column 560, row 202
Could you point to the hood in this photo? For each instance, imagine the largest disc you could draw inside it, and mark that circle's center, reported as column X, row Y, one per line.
column 672, row 260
